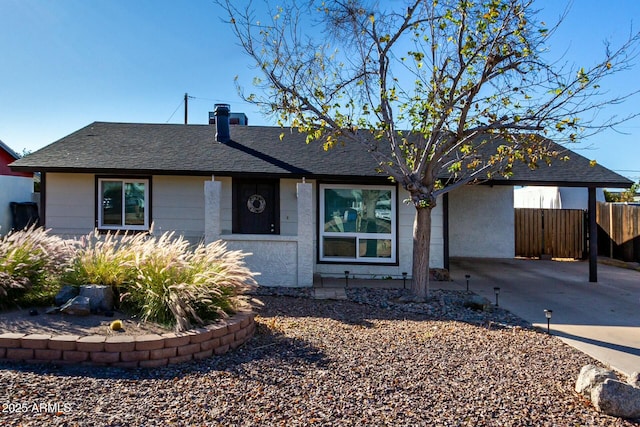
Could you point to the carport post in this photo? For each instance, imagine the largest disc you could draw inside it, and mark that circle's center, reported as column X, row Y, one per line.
column 593, row 237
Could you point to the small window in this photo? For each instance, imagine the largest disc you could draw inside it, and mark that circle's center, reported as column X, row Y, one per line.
column 123, row 204
column 358, row 223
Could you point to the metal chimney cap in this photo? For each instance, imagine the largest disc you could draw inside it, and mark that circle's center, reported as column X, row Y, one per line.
column 222, row 109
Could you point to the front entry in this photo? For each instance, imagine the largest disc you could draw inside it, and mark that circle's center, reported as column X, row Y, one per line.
column 256, row 206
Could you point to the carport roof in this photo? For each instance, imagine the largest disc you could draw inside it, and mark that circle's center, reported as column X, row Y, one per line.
column 173, row 149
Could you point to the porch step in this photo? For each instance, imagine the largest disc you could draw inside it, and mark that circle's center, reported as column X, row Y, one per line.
column 330, row 293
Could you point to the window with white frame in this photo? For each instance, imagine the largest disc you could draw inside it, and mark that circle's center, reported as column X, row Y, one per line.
column 357, row 223
column 123, row 204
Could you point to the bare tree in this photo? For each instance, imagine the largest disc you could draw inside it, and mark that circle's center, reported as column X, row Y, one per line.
column 437, row 81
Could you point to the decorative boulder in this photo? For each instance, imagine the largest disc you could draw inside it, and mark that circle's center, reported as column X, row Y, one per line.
column 100, row 296
column 616, row 398
column 65, row 294
column 590, row 376
column 77, row 306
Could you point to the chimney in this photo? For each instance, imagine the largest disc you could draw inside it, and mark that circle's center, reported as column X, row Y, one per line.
column 221, row 112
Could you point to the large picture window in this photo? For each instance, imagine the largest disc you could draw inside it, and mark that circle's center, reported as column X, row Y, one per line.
column 123, row 204
column 358, row 223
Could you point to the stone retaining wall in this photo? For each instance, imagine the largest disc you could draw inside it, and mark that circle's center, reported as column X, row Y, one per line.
column 144, row 351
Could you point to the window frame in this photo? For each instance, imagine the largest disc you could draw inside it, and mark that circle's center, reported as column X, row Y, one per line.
column 358, row 259
column 146, row 180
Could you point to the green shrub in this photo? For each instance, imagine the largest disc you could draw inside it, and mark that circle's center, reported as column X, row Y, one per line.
column 31, row 262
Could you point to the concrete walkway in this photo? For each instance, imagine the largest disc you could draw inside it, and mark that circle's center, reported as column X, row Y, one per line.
column 601, row 319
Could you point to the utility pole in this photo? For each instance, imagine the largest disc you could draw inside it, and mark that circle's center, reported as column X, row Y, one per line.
column 186, row 107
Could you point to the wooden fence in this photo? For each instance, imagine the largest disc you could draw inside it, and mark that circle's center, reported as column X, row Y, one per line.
column 558, row 233
column 618, row 231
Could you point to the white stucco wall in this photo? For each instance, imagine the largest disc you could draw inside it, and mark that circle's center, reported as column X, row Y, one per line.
column 273, row 257
column 12, row 189
column 481, row 222
column 567, row 197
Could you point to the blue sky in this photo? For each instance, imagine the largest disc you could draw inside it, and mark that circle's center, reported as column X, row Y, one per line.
column 67, row 63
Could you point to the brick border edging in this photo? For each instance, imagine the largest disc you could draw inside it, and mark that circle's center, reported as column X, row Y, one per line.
column 143, row 351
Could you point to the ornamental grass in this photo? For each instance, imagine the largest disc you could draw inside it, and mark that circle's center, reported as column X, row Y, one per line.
column 103, row 259
column 31, row 262
column 162, row 279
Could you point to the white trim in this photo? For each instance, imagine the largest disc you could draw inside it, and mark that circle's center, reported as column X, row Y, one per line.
column 359, row 235
column 123, row 226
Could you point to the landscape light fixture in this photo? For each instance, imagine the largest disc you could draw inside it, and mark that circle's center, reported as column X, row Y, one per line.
column 467, row 276
column 497, row 291
column 346, row 278
column 404, row 280
column 547, row 314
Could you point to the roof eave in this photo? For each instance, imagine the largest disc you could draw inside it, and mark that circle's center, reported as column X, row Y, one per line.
column 597, row 184
column 235, row 174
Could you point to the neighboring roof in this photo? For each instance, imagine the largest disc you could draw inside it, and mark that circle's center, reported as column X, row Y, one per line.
column 8, row 149
column 171, row 149
column 8, row 156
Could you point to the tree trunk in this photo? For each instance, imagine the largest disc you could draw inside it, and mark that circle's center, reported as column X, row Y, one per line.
column 421, row 243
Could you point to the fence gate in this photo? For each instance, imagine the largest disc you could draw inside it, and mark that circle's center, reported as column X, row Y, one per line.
column 559, row 233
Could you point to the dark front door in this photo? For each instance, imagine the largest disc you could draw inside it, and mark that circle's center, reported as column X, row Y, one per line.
column 255, row 207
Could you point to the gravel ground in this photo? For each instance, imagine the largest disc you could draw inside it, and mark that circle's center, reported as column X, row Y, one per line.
column 372, row 360
column 57, row 324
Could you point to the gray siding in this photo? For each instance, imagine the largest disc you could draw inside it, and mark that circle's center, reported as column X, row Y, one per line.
column 70, row 203
column 178, row 205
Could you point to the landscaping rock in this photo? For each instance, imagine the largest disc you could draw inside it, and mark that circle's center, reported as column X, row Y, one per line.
column 590, row 376
column 77, row 306
column 341, row 363
column 65, row 294
column 100, row 297
column 439, row 275
column 634, row 379
column 476, row 302
column 616, row 398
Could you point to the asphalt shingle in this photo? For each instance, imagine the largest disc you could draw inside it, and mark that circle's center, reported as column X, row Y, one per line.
column 253, row 150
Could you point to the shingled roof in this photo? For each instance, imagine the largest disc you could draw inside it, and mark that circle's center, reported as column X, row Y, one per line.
column 171, row 149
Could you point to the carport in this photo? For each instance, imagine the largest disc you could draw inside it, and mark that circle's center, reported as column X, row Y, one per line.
column 600, row 319
column 479, row 224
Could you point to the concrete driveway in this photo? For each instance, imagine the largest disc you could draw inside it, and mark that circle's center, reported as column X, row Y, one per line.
column 601, row 319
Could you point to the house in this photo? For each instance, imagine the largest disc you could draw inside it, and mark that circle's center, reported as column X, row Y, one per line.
column 15, row 186
column 299, row 210
column 553, row 197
